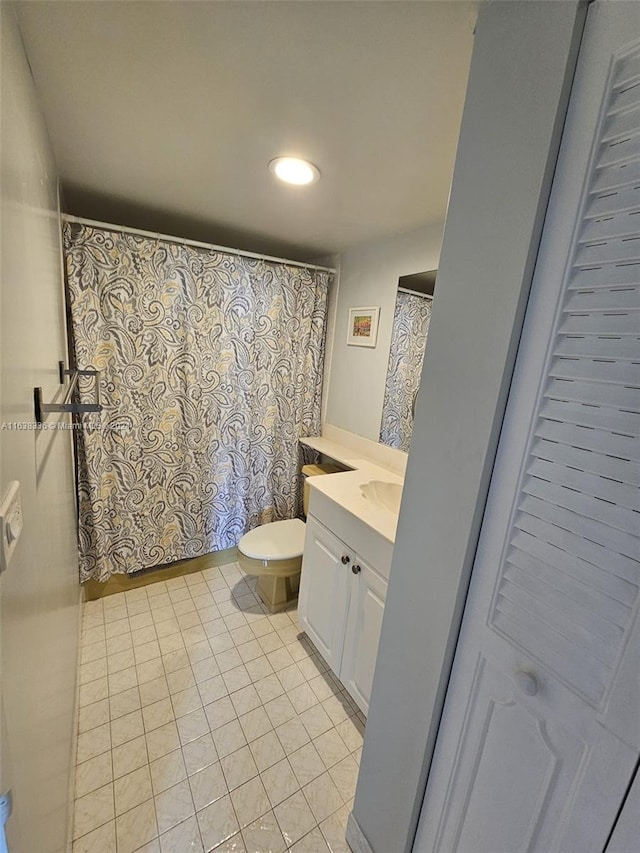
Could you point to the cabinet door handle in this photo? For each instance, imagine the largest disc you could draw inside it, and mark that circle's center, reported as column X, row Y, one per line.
column 346, row 559
column 356, row 569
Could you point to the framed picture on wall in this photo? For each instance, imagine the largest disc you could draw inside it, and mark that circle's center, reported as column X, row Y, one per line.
column 362, row 329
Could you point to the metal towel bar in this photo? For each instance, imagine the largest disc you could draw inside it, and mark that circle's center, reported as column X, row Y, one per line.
column 42, row 409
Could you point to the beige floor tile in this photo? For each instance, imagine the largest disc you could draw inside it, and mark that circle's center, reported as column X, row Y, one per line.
column 345, row 776
column 124, row 679
column 302, row 698
column 167, row 771
column 154, row 690
column 264, row 835
column 259, row 668
column 334, row 829
column 181, row 679
column 93, row 691
column 132, row 790
column 124, row 703
column 199, row 753
column 307, row 764
column 280, row 710
column 229, row 738
column 266, row 750
column 280, row 782
column 93, row 774
column 250, row 801
column 269, row 688
column 212, row 689
column 173, row 806
column 295, row 818
column 220, row 712
column 93, row 743
column 102, row 839
column 239, row 767
column 292, row 735
column 93, row 670
column 236, row 678
column 205, row 669
column 312, row 843
column 255, row 724
column 157, row 714
column 186, row 701
column 130, row 756
column 126, row 728
column 136, row 827
column 316, row 721
column 331, row 747
column 192, row 726
column 163, row 740
column 352, row 733
column 246, row 699
column 150, row 670
column 198, row 652
column 323, row 797
column 183, row 838
column 217, row 823
column 208, row 785
column 93, row 810
column 90, row 716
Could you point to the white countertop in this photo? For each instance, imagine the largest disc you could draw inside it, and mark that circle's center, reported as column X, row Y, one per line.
column 344, row 488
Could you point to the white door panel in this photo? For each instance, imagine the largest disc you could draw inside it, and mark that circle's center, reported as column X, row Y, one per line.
column 324, row 590
column 364, row 623
column 541, row 731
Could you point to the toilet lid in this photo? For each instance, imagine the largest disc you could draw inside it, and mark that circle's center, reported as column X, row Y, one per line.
column 278, row 540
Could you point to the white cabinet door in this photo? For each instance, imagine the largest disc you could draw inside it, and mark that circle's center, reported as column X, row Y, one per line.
column 364, row 622
column 540, row 734
column 324, row 591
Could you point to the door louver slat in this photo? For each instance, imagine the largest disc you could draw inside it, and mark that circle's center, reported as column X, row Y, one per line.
column 581, row 553
column 569, row 585
column 592, row 484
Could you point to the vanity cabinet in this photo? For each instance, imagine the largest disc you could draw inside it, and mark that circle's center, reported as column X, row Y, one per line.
column 340, row 606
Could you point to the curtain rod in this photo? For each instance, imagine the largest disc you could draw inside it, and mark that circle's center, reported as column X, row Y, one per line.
column 107, row 226
column 416, row 293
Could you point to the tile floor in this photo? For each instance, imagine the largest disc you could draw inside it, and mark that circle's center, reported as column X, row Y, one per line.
column 206, row 724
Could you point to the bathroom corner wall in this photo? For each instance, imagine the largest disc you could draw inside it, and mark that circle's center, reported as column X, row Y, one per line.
column 368, row 276
column 39, row 592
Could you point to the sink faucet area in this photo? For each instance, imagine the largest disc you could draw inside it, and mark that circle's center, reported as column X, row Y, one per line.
column 383, row 494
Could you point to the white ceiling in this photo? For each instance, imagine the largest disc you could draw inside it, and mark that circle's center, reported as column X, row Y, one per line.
column 164, row 115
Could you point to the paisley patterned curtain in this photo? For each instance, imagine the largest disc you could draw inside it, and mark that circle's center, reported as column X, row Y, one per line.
column 408, row 342
column 211, row 370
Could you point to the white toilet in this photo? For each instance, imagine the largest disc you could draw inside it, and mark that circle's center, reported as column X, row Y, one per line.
column 273, row 552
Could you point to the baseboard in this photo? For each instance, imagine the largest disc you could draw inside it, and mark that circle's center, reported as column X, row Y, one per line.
column 74, row 734
column 122, row 582
column 356, row 838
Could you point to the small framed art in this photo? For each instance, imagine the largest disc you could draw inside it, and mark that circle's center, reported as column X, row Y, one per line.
column 362, row 329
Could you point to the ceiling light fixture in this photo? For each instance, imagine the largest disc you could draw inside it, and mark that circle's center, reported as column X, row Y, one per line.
column 292, row 170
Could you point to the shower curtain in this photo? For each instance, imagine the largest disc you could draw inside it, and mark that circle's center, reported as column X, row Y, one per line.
column 211, row 370
column 408, row 341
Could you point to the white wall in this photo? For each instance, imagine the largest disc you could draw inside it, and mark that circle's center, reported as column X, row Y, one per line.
column 521, row 71
column 39, row 592
column 368, row 275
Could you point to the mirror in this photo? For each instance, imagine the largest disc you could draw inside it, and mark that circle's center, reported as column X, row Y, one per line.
column 411, row 320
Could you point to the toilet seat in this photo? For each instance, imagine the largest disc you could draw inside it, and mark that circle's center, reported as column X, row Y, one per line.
column 278, row 540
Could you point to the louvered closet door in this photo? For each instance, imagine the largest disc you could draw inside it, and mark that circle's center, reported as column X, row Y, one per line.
column 541, row 727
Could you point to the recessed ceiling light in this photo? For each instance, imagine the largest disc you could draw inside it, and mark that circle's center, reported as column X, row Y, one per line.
column 292, row 170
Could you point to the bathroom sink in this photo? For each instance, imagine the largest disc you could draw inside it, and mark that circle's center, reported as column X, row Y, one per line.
column 385, row 495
